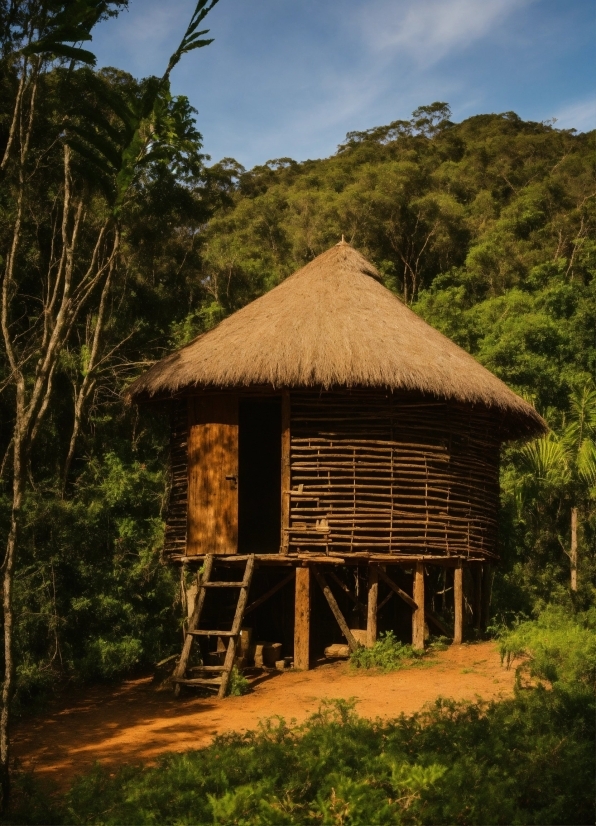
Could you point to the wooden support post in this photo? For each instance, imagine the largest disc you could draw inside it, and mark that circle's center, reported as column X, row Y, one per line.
column 285, row 472
column 373, row 598
column 351, row 640
column 302, row 620
column 458, row 602
column 418, row 613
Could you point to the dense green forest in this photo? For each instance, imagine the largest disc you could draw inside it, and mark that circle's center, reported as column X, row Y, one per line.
column 120, row 240
column 486, row 227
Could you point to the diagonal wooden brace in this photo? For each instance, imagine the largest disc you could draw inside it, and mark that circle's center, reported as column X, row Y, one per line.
column 352, row 642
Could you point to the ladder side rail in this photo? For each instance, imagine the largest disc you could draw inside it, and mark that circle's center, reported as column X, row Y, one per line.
column 236, row 626
column 180, row 669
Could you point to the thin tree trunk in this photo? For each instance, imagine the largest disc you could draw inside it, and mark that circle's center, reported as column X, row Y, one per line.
column 7, row 612
column 89, row 380
column 573, row 554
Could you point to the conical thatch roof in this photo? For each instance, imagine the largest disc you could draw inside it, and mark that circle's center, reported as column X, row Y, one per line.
column 330, row 324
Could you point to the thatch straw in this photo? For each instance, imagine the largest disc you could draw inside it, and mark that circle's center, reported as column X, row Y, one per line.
column 331, row 324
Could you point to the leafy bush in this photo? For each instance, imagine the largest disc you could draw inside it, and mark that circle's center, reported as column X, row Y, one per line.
column 387, row 654
column 559, row 647
column 528, row 760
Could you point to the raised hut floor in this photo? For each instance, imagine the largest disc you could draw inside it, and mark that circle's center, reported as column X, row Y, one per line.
column 332, row 594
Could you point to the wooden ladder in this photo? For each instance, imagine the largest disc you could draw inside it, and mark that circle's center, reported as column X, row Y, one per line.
column 220, row 674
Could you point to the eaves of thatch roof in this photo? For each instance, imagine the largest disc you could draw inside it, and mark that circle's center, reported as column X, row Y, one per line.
column 333, row 324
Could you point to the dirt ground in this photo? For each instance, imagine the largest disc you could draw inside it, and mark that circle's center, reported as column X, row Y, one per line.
column 136, row 722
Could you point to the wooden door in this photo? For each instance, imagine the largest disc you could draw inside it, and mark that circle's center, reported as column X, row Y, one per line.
column 212, row 475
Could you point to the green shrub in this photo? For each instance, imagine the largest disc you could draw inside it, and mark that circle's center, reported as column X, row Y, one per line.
column 528, row 760
column 387, row 654
column 238, row 684
column 560, row 647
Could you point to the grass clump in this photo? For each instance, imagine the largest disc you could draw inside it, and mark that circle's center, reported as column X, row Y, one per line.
column 238, row 684
column 387, row 654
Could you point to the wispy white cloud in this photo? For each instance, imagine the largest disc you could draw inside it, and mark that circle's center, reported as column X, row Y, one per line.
column 580, row 115
column 147, row 39
column 430, row 30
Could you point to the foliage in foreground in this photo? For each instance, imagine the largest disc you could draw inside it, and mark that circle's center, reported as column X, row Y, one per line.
column 526, row 760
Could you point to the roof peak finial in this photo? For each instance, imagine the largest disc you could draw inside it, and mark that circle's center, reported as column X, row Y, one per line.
column 343, row 240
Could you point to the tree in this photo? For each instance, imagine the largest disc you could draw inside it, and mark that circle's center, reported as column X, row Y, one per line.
column 106, row 141
column 563, row 467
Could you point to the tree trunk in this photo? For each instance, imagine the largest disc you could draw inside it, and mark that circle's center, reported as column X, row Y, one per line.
column 573, row 554
column 7, row 611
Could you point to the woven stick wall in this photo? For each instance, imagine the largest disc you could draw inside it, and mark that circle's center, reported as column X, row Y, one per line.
column 391, row 473
column 175, row 536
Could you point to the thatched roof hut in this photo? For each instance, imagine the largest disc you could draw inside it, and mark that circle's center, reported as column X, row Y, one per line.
column 326, row 423
column 333, row 324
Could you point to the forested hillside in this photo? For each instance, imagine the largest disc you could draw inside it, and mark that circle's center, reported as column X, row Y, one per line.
column 486, row 228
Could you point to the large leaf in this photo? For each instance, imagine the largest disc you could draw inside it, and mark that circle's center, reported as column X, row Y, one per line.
column 192, row 37
column 547, row 460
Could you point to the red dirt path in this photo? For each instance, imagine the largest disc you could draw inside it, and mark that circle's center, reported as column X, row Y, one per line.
column 135, row 721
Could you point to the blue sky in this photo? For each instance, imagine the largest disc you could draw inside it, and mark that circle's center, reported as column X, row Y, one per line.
column 289, row 78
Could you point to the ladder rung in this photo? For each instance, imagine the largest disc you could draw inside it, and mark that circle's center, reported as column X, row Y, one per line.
column 200, row 633
column 224, row 584
column 211, row 668
column 214, row 681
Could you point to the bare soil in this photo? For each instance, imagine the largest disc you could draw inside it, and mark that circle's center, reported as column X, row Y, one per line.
column 136, row 721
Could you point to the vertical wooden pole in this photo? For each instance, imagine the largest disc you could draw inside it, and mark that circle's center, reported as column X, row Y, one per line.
column 285, row 471
column 373, row 598
column 302, row 620
column 573, row 554
column 458, row 601
column 418, row 613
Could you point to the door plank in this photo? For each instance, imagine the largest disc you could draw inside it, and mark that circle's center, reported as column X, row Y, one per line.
column 213, row 475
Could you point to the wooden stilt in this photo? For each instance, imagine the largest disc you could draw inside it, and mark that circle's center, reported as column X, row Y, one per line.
column 302, row 620
column 418, row 613
column 373, row 598
column 352, row 642
column 458, row 600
